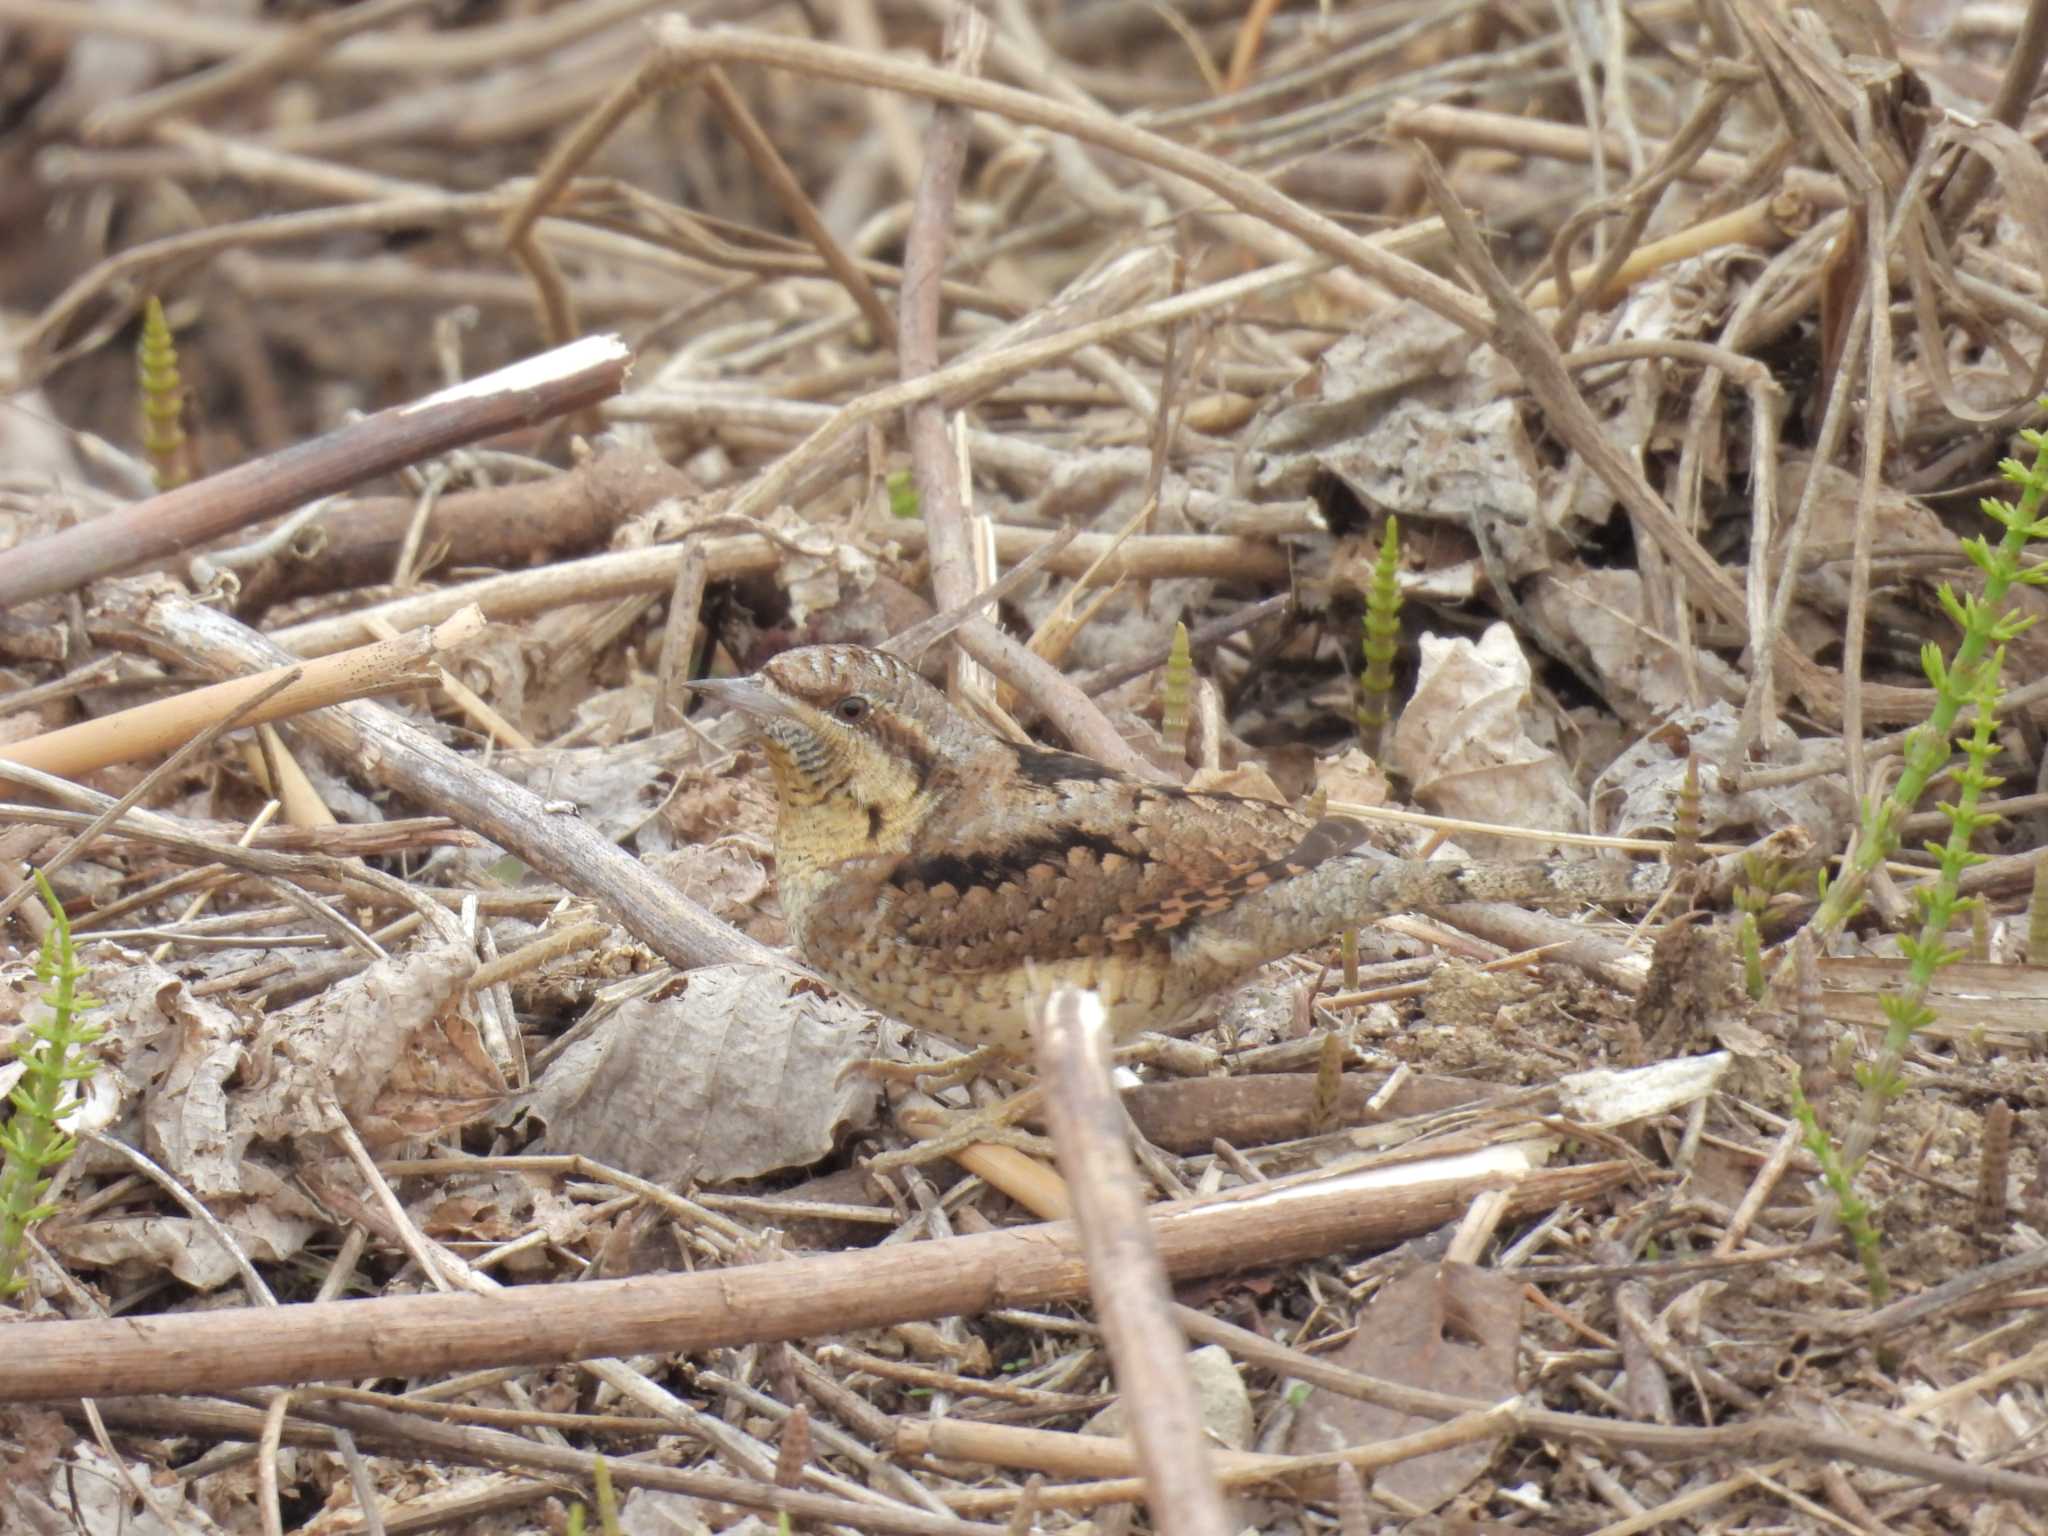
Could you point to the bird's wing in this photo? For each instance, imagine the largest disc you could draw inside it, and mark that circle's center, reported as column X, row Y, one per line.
column 1091, row 864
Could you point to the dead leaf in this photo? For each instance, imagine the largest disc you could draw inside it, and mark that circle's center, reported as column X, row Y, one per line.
column 1465, row 741
column 185, row 1113
column 87, row 1491
column 723, row 879
column 1247, row 779
column 1361, row 413
column 654, row 1512
column 146, row 1246
column 1447, row 1327
column 444, row 1078
column 139, row 1008
column 1637, row 794
column 735, row 1076
column 374, row 1043
column 613, row 788
column 1602, row 612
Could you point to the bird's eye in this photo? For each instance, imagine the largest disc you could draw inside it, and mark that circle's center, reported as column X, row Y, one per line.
column 852, row 709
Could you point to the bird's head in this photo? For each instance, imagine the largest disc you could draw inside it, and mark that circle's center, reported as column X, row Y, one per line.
column 851, row 728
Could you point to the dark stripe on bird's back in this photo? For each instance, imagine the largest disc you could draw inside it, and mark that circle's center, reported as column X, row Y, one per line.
column 1328, row 838
column 1011, row 864
column 1035, row 765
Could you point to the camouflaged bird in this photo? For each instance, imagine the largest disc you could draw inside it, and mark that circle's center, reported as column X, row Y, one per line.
column 949, row 878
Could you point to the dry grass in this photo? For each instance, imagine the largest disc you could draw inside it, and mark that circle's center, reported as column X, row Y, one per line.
column 1682, row 342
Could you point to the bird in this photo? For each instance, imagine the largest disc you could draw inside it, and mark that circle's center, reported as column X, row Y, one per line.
column 951, row 879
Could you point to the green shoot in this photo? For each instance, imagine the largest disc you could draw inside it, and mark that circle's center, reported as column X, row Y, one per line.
column 607, row 1499
column 1750, row 939
column 903, row 500
column 1762, row 878
column 1968, row 679
column 55, row 1057
column 1987, row 626
column 1685, row 831
column 1906, row 1011
column 1176, row 690
column 163, row 400
column 1382, row 636
column 1854, row 1211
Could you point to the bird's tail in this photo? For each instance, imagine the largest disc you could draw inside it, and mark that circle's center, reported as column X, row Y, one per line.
column 1347, row 891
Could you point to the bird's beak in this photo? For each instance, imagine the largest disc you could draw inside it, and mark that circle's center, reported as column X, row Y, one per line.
column 744, row 694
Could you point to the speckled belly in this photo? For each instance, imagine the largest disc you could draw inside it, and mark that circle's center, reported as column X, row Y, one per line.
column 991, row 1006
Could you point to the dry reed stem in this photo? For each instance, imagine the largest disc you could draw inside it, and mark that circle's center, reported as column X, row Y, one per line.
column 789, row 1298
column 147, row 729
column 1563, row 141
column 1109, row 1460
column 1125, row 1275
column 599, row 577
column 136, row 536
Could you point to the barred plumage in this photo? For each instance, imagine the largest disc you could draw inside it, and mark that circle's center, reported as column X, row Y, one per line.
column 949, row 878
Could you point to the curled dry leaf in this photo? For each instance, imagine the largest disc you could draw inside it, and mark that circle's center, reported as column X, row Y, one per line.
column 151, row 1027
column 1353, row 777
column 1246, row 779
column 384, row 1045
column 185, row 1111
column 743, row 1071
column 268, row 1231
column 86, row 1491
column 710, row 803
column 1637, row 794
column 1362, row 412
column 1465, row 741
column 817, row 568
column 203, row 1084
column 1448, row 582
column 496, row 665
column 657, row 1512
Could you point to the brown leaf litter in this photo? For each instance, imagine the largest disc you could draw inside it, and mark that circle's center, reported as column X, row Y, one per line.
column 1681, row 346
